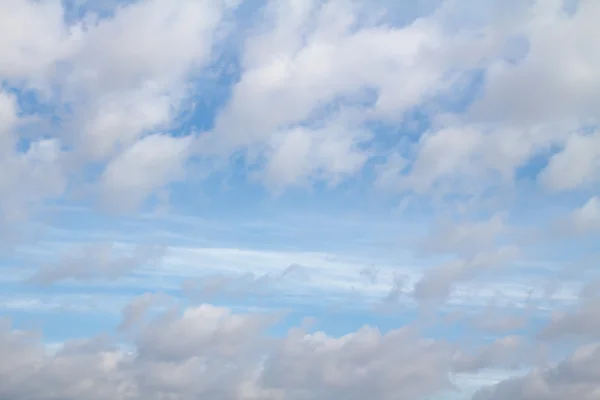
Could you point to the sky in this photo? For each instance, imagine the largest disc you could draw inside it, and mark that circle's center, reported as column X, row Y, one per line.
column 299, row 199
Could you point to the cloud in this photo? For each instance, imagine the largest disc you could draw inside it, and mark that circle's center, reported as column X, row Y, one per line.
column 554, row 80
column 320, row 59
column 480, row 118
column 99, row 261
column 30, row 53
column 224, row 356
column 583, row 321
column 311, row 80
column 148, row 165
column 510, row 352
column 134, row 312
column 29, row 176
column 575, row 377
column 576, row 165
column 109, row 81
column 477, row 246
column 496, row 319
column 465, row 238
column 540, row 103
column 437, row 284
column 361, row 363
column 584, row 220
column 299, row 155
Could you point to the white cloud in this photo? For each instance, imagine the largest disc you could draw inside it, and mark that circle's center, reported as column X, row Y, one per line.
column 528, row 106
column 559, row 76
column 112, row 79
column 576, row 166
column 575, row 377
column 322, row 92
column 224, row 355
column 128, row 75
column 29, row 176
column 583, row 220
column 146, row 166
column 299, row 154
column 444, row 155
column 36, row 37
column 132, row 71
column 315, row 57
column 118, row 119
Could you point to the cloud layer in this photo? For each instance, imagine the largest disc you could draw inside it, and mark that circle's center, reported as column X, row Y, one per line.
column 186, row 184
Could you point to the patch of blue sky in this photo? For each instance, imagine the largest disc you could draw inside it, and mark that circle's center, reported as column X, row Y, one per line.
column 58, row 325
column 212, row 225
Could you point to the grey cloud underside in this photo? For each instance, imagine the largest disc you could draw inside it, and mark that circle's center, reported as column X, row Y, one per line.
column 577, row 377
column 208, row 352
column 211, row 352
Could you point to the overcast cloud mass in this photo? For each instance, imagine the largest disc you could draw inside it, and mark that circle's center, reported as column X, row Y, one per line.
column 299, row 199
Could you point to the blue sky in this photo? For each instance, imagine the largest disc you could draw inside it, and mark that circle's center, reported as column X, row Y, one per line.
column 299, row 200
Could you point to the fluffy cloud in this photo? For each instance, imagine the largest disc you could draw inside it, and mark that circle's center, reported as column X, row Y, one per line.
column 147, row 165
column 468, row 104
column 583, row 220
column 329, row 153
column 576, row 166
column 529, row 107
column 28, row 176
column 557, row 77
column 575, row 377
column 312, row 77
column 319, row 59
column 110, row 81
column 582, row 322
column 210, row 352
column 38, row 39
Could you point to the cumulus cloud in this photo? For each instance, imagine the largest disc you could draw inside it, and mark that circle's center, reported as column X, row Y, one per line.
column 29, row 176
column 319, row 59
column 476, row 114
column 211, row 352
column 583, row 220
column 582, row 322
column 112, row 80
column 299, row 155
column 140, row 170
column 575, row 377
column 512, row 352
column 312, row 78
column 554, row 80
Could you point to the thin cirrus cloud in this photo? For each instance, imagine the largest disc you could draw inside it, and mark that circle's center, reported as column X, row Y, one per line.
column 299, row 199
